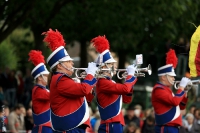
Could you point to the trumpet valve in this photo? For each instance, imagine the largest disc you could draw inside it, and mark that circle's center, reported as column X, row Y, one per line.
column 139, row 75
column 83, row 74
column 76, row 80
column 124, row 75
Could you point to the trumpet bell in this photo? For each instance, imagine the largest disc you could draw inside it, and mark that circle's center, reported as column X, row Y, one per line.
column 149, row 70
column 189, row 85
column 80, row 73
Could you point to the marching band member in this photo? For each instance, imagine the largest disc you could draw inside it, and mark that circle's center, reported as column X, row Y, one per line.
column 40, row 94
column 110, row 95
column 166, row 104
column 69, row 108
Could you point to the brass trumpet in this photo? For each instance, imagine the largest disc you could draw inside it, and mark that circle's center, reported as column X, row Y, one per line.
column 137, row 74
column 83, row 74
column 189, row 85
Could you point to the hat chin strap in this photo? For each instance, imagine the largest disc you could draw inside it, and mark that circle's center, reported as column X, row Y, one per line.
column 170, row 81
column 45, row 79
column 69, row 69
column 111, row 72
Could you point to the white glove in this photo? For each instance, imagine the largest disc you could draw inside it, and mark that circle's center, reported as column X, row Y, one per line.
column 131, row 69
column 92, row 68
column 184, row 82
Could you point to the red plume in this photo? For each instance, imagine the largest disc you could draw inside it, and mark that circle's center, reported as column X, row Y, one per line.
column 100, row 43
column 36, row 57
column 54, row 39
column 171, row 58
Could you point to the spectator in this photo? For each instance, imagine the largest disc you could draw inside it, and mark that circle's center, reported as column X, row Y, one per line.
column 196, row 125
column 97, row 123
column 138, row 113
column 130, row 116
column 137, row 130
column 2, row 96
column 3, row 117
column 192, row 108
column 4, row 79
column 15, row 121
column 149, row 125
column 7, row 113
column 28, row 86
column 20, row 87
column 11, row 90
column 138, row 110
column 190, row 119
column 28, row 120
column 130, row 128
column 184, row 121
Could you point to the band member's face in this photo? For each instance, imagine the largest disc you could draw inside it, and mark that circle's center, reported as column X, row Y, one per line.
column 169, row 80
column 110, row 66
column 45, row 79
column 67, row 67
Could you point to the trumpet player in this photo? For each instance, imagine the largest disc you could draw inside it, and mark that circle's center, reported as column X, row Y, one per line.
column 109, row 94
column 69, row 108
column 40, row 94
column 166, row 104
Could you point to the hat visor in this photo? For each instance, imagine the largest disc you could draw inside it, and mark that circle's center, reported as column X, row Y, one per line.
column 171, row 74
column 66, row 58
column 45, row 72
column 110, row 61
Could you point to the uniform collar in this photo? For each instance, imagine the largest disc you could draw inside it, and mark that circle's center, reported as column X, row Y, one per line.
column 41, row 86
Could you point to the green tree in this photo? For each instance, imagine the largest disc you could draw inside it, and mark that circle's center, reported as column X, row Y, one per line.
column 12, row 14
column 132, row 27
column 8, row 56
column 22, row 39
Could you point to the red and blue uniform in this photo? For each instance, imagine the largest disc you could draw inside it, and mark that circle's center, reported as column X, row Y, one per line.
column 69, row 108
column 41, row 109
column 110, row 96
column 167, row 106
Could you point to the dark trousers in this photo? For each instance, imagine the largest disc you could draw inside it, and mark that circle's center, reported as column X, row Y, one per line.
column 110, row 128
column 75, row 130
column 42, row 129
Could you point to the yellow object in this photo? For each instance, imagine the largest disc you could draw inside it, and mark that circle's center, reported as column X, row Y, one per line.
column 194, row 42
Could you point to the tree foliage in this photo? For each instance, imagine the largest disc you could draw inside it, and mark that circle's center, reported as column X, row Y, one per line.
column 12, row 14
column 132, row 27
column 8, row 56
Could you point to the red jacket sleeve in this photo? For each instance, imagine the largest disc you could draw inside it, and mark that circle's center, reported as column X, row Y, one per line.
column 167, row 97
column 89, row 97
column 127, row 98
column 183, row 103
column 41, row 94
column 109, row 86
column 74, row 89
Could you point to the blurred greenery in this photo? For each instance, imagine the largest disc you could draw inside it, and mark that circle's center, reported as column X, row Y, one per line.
column 132, row 27
column 8, row 56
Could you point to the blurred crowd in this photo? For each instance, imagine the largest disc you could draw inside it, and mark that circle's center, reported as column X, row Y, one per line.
column 15, row 87
column 15, row 94
column 138, row 120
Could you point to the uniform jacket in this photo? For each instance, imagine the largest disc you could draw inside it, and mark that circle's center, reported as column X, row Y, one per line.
column 110, row 96
column 68, row 101
column 41, row 106
column 167, row 105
